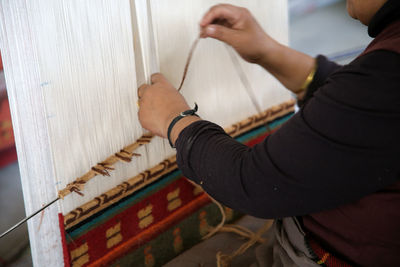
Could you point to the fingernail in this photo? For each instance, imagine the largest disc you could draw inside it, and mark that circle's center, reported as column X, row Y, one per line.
column 210, row 30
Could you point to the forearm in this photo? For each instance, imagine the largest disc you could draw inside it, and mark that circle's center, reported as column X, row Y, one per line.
column 289, row 66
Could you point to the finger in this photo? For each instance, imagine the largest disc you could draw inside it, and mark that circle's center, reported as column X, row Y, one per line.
column 157, row 78
column 221, row 33
column 141, row 90
column 221, row 12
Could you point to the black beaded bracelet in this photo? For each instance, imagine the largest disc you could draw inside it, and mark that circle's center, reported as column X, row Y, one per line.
column 190, row 112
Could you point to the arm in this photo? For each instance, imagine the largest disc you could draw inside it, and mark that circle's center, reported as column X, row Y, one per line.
column 294, row 172
column 340, row 146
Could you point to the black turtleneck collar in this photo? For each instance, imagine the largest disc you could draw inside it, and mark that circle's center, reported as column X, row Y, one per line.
column 388, row 13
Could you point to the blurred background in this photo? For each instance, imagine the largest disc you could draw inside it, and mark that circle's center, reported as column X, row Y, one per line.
column 316, row 27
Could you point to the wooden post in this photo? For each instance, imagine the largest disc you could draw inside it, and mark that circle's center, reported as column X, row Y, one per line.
column 30, row 130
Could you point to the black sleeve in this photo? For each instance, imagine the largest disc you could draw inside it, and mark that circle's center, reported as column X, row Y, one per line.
column 342, row 145
column 325, row 67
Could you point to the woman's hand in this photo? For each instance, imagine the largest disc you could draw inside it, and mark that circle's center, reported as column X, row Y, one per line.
column 159, row 104
column 238, row 28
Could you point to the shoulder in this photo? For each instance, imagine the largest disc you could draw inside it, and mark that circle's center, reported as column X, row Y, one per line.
column 370, row 82
column 359, row 104
column 378, row 60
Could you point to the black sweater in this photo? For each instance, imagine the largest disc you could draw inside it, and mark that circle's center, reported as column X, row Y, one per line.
column 343, row 144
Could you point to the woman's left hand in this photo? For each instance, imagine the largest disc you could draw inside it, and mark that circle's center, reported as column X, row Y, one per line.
column 159, row 104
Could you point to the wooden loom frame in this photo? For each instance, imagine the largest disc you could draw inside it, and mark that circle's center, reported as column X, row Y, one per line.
column 33, row 148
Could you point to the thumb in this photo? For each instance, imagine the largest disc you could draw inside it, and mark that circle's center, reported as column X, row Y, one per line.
column 220, row 32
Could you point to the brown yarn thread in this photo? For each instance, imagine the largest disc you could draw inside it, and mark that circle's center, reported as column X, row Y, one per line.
column 188, row 60
column 105, row 167
column 221, row 224
column 240, row 230
column 217, row 228
column 224, row 260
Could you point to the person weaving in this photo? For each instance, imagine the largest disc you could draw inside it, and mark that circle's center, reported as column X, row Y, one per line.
column 331, row 174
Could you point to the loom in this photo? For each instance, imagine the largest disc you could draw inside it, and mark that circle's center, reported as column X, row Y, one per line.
column 72, row 70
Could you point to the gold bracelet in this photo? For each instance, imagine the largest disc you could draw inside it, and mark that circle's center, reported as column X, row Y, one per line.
column 309, row 78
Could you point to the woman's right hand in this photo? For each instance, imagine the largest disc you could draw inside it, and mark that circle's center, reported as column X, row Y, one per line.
column 238, row 28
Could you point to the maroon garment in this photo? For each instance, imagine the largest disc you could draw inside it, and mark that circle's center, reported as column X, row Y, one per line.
column 366, row 232
column 388, row 39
